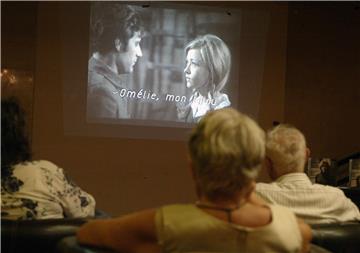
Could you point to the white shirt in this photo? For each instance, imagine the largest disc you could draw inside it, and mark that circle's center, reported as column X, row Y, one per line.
column 314, row 203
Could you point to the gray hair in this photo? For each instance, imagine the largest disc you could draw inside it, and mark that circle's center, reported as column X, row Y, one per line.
column 216, row 55
column 227, row 149
column 286, row 148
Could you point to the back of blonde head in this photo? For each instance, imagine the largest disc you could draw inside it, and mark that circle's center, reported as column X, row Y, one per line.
column 286, row 148
column 227, row 149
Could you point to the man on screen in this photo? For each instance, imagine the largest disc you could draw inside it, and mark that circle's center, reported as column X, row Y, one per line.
column 116, row 32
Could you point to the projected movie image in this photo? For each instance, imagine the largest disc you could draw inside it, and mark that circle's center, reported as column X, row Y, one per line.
column 160, row 65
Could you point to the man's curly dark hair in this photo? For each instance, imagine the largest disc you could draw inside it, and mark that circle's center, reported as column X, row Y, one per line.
column 110, row 21
column 15, row 146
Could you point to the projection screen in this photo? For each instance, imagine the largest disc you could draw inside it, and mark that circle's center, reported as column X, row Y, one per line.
column 132, row 72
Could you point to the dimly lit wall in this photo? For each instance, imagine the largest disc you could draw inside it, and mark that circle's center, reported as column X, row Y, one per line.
column 322, row 94
column 18, row 35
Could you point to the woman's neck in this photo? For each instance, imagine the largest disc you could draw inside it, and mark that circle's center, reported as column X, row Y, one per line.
column 223, row 206
column 203, row 90
column 233, row 203
column 245, row 211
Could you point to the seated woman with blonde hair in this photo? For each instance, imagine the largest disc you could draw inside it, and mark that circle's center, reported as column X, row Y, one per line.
column 227, row 149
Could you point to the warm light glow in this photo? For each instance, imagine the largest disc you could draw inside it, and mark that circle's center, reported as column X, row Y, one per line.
column 12, row 77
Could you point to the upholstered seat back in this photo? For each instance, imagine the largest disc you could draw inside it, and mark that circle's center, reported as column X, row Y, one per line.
column 36, row 235
column 338, row 237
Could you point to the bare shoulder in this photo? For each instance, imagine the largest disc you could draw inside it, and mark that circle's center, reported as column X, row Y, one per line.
column 143, row 218
column 127, row 233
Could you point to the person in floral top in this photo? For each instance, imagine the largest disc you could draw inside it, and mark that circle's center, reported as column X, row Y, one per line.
column 34, row 189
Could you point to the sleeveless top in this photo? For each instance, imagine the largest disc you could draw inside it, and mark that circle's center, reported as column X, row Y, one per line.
column 186, row 228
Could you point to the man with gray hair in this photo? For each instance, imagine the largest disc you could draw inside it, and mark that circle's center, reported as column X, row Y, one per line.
column 286, row 156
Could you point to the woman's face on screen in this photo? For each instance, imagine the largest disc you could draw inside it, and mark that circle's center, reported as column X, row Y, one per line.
column 196, row 72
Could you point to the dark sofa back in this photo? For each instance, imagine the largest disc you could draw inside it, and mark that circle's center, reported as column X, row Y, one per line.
column 338, row 237
column 39, row 236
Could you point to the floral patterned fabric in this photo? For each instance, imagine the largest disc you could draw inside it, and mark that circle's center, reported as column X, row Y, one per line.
column 41, row 190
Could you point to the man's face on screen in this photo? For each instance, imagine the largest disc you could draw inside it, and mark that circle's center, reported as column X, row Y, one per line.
column 196, row 72
column 127, row 58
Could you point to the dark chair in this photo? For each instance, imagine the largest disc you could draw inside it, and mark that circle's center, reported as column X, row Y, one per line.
column 352, row 193
column 337, row 237
column 39, row 236
column 70, row 245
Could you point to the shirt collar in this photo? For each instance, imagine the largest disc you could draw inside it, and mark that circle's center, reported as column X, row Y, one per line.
column 292, row 177
column 101, row 68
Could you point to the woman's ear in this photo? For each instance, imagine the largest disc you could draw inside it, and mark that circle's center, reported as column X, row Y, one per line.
column 191, row 167
column 118, row 45
column 307, row 153
column 194, row 177
column 249, row 189
column 270, row 168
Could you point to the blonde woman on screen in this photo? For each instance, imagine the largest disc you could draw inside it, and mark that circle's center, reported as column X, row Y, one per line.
column 207, row 70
